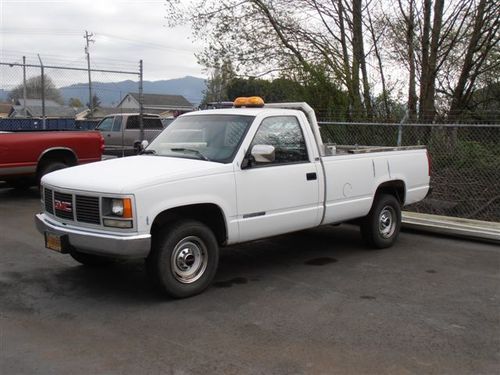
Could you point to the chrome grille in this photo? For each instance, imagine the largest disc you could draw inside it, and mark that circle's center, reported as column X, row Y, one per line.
column 63, row 205
column 87, row 209
column 81, row 208
column 48, row 200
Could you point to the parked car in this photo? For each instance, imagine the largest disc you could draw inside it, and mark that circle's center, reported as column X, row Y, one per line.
column 122, row 135
column 166, row 121
column 223, row 176
column 27, row 156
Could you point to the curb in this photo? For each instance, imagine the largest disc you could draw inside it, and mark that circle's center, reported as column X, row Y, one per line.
column 472, row 229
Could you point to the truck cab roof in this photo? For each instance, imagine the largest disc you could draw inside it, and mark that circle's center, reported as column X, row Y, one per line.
column 240, row 111
column 131, row 114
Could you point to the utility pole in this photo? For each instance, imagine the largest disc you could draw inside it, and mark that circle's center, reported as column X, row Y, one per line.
column 141, row 101
column 24, row 87
column 88, row 40
column 43, row 93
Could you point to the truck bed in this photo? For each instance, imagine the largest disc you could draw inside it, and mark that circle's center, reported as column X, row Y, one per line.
column 354, row 173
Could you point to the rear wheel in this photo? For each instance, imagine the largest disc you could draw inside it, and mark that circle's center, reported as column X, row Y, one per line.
column 50, row 166
column 184, row 258
column 380, row 228
column 90, row 259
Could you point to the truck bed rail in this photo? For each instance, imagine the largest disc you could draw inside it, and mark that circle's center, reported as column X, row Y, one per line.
column 333, row 149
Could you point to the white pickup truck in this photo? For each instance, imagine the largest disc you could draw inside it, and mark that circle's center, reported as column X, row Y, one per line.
column 220, row 177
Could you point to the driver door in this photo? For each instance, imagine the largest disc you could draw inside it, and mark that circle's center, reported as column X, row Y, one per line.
column 282, row 195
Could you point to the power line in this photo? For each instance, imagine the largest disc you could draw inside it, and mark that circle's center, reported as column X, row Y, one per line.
column 69, row 33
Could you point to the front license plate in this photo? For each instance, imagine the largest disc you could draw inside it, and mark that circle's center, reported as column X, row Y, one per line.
column 53, row 242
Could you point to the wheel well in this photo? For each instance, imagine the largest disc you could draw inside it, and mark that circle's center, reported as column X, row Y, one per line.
column 395, row 187
column 62, row 155
column 209, row 214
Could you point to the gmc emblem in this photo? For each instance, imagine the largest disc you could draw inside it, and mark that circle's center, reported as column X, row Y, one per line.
column 63, row 206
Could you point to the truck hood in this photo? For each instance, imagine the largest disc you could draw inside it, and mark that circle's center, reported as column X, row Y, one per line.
column 129, row 174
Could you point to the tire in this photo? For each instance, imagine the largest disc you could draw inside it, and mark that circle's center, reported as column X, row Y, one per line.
column 380, row 228
column 184, row 258
column 50, row 166
column 90, row 260
column 137, row 148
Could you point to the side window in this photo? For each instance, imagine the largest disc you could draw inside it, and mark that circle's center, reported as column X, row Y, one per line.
column 117, row 124
column 148, row 123
column 285, row 134
column 233, row 133
column 166, row 121
column 133, row 122
column 152, row 123
column 106, row 124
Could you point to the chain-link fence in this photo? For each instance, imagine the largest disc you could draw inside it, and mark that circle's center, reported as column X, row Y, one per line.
column 466, row 158
column 465, row 162
column 34, row 95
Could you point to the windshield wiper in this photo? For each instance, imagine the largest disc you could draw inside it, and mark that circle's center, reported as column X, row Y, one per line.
column 148, row 152
column 200, row 155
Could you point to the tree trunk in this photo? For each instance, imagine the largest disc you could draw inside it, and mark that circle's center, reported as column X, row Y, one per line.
column 425, row 42
column 459, row 98
column 352, row 89
column 427, row 100
column 359, row 61
column 381, row 69
column 412, row 92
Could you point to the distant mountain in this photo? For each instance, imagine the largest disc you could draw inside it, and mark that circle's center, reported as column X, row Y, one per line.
column 111, row 93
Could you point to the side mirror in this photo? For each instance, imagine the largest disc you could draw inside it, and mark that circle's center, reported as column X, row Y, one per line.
column 263, row 153
column 140, row 147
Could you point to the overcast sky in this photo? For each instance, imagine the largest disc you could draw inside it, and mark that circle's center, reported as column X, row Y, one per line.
column 125, row 31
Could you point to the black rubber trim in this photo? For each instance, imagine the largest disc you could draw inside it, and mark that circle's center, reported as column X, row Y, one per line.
column 254, row 214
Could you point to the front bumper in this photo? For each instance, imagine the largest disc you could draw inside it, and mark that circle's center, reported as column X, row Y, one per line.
column 111, row 245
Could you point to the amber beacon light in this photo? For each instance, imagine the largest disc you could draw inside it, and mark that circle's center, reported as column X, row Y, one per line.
column 252, row 101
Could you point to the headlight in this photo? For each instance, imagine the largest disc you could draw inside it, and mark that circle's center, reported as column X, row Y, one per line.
column 117, row 212
column 117, row 207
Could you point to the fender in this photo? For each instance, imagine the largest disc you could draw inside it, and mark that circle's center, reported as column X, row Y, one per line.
column 57, row 149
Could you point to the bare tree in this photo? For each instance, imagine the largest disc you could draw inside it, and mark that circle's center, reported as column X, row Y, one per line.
column 314, row 36
column 446, row 47
column 34, row 89
column 484, row 38
column 376, row 37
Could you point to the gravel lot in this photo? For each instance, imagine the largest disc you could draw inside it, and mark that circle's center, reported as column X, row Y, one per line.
column 311, row 302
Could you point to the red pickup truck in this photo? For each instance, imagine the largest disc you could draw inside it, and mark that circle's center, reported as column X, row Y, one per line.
column 26, row 156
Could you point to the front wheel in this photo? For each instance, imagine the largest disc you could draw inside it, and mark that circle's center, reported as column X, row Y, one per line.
column 380, row 228
column 183, row 258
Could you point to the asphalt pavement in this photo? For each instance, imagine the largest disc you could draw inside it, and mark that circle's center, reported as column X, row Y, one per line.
column 313, row 302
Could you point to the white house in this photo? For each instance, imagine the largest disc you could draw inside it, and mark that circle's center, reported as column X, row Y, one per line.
column 156, row 103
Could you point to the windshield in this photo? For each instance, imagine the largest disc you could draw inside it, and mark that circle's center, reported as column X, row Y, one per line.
column 205, row 137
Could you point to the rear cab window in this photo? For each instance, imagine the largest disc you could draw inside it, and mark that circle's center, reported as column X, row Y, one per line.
column 149, row 123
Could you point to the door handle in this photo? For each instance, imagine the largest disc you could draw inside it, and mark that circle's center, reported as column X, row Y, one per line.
column 311, row 176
